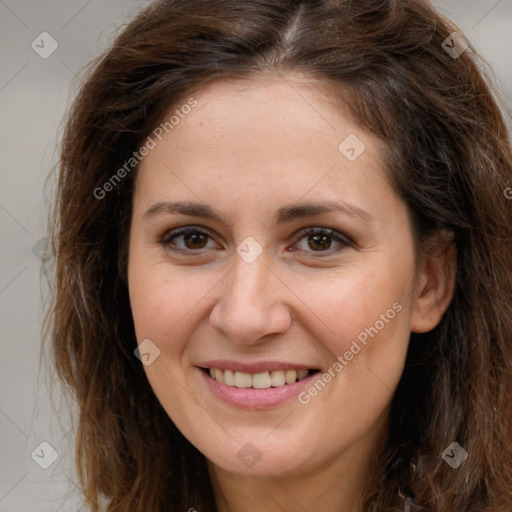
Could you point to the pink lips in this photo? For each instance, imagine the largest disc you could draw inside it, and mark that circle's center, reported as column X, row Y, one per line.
column 250, row 398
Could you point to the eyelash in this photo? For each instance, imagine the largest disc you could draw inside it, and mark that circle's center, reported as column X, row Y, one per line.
column 344, row 240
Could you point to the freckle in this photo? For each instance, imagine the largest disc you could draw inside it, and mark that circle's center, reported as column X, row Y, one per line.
column 201, row 123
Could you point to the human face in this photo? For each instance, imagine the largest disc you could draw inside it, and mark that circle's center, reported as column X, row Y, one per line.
column 255, row 295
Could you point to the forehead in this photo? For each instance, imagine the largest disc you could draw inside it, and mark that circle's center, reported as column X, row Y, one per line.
column 252, row 151
column 265, row 129
column 269, row 112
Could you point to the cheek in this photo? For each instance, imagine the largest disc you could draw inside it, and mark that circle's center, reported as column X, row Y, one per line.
column 166, row 303
column 362, row 304
column 165, row 308
column 151, row 300
column 155, row 304
column 362, row 320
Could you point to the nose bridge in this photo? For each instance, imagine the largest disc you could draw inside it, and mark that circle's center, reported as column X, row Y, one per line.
column 248, row 306
column 247, row 286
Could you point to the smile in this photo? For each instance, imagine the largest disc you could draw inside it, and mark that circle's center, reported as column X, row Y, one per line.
column 261, row 380
column 255, row 386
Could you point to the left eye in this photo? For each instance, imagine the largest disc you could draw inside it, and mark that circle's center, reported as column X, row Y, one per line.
column 317, row 240
column 320, row 240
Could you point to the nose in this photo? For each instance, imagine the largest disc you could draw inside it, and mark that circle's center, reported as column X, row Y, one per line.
column 251, row 303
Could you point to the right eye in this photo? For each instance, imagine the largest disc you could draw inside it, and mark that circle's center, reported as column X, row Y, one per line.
column 189, row 239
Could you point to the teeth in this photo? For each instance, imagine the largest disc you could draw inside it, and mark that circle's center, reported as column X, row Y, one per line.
column 229, row 377
column 277, row 378
column 219, row 375
column 301, row 374
column 263, row 380
column 290, row 376
column 243, row 380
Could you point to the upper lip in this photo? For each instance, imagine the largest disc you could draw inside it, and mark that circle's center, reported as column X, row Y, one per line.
column 255, row 367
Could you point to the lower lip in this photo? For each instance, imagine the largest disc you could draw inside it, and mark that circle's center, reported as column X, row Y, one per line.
column 250, row 398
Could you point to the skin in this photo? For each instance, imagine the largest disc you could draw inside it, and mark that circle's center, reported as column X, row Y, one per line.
column 247, row 149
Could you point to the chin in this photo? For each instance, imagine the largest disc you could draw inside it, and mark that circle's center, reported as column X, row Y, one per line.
column 261, row 458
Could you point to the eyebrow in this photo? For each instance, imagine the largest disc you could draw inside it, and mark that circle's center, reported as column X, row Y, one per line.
column 283, row 215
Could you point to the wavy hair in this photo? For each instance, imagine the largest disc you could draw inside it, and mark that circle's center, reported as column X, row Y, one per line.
column 448, row 156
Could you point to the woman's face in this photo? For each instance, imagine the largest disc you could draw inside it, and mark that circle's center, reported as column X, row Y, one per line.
column 252, row 295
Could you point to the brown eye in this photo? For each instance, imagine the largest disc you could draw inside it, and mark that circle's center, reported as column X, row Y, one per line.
column 195, row 240
column 320, row 240
column 191, row 239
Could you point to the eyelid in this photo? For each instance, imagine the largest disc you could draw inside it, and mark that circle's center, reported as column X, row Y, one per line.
column 168, row 234
column 334, row 233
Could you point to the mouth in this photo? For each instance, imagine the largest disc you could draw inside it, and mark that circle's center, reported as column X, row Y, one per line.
column 265, row 385
column 260, row 380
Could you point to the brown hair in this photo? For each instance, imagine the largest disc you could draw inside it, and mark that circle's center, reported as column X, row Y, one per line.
column 448, row 155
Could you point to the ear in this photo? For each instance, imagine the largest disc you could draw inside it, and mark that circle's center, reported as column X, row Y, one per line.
column 435, row 282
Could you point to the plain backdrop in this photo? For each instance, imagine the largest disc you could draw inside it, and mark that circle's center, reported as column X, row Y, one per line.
column 35, row 90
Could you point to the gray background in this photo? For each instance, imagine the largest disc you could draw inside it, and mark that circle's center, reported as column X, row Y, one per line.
column 34, row 95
